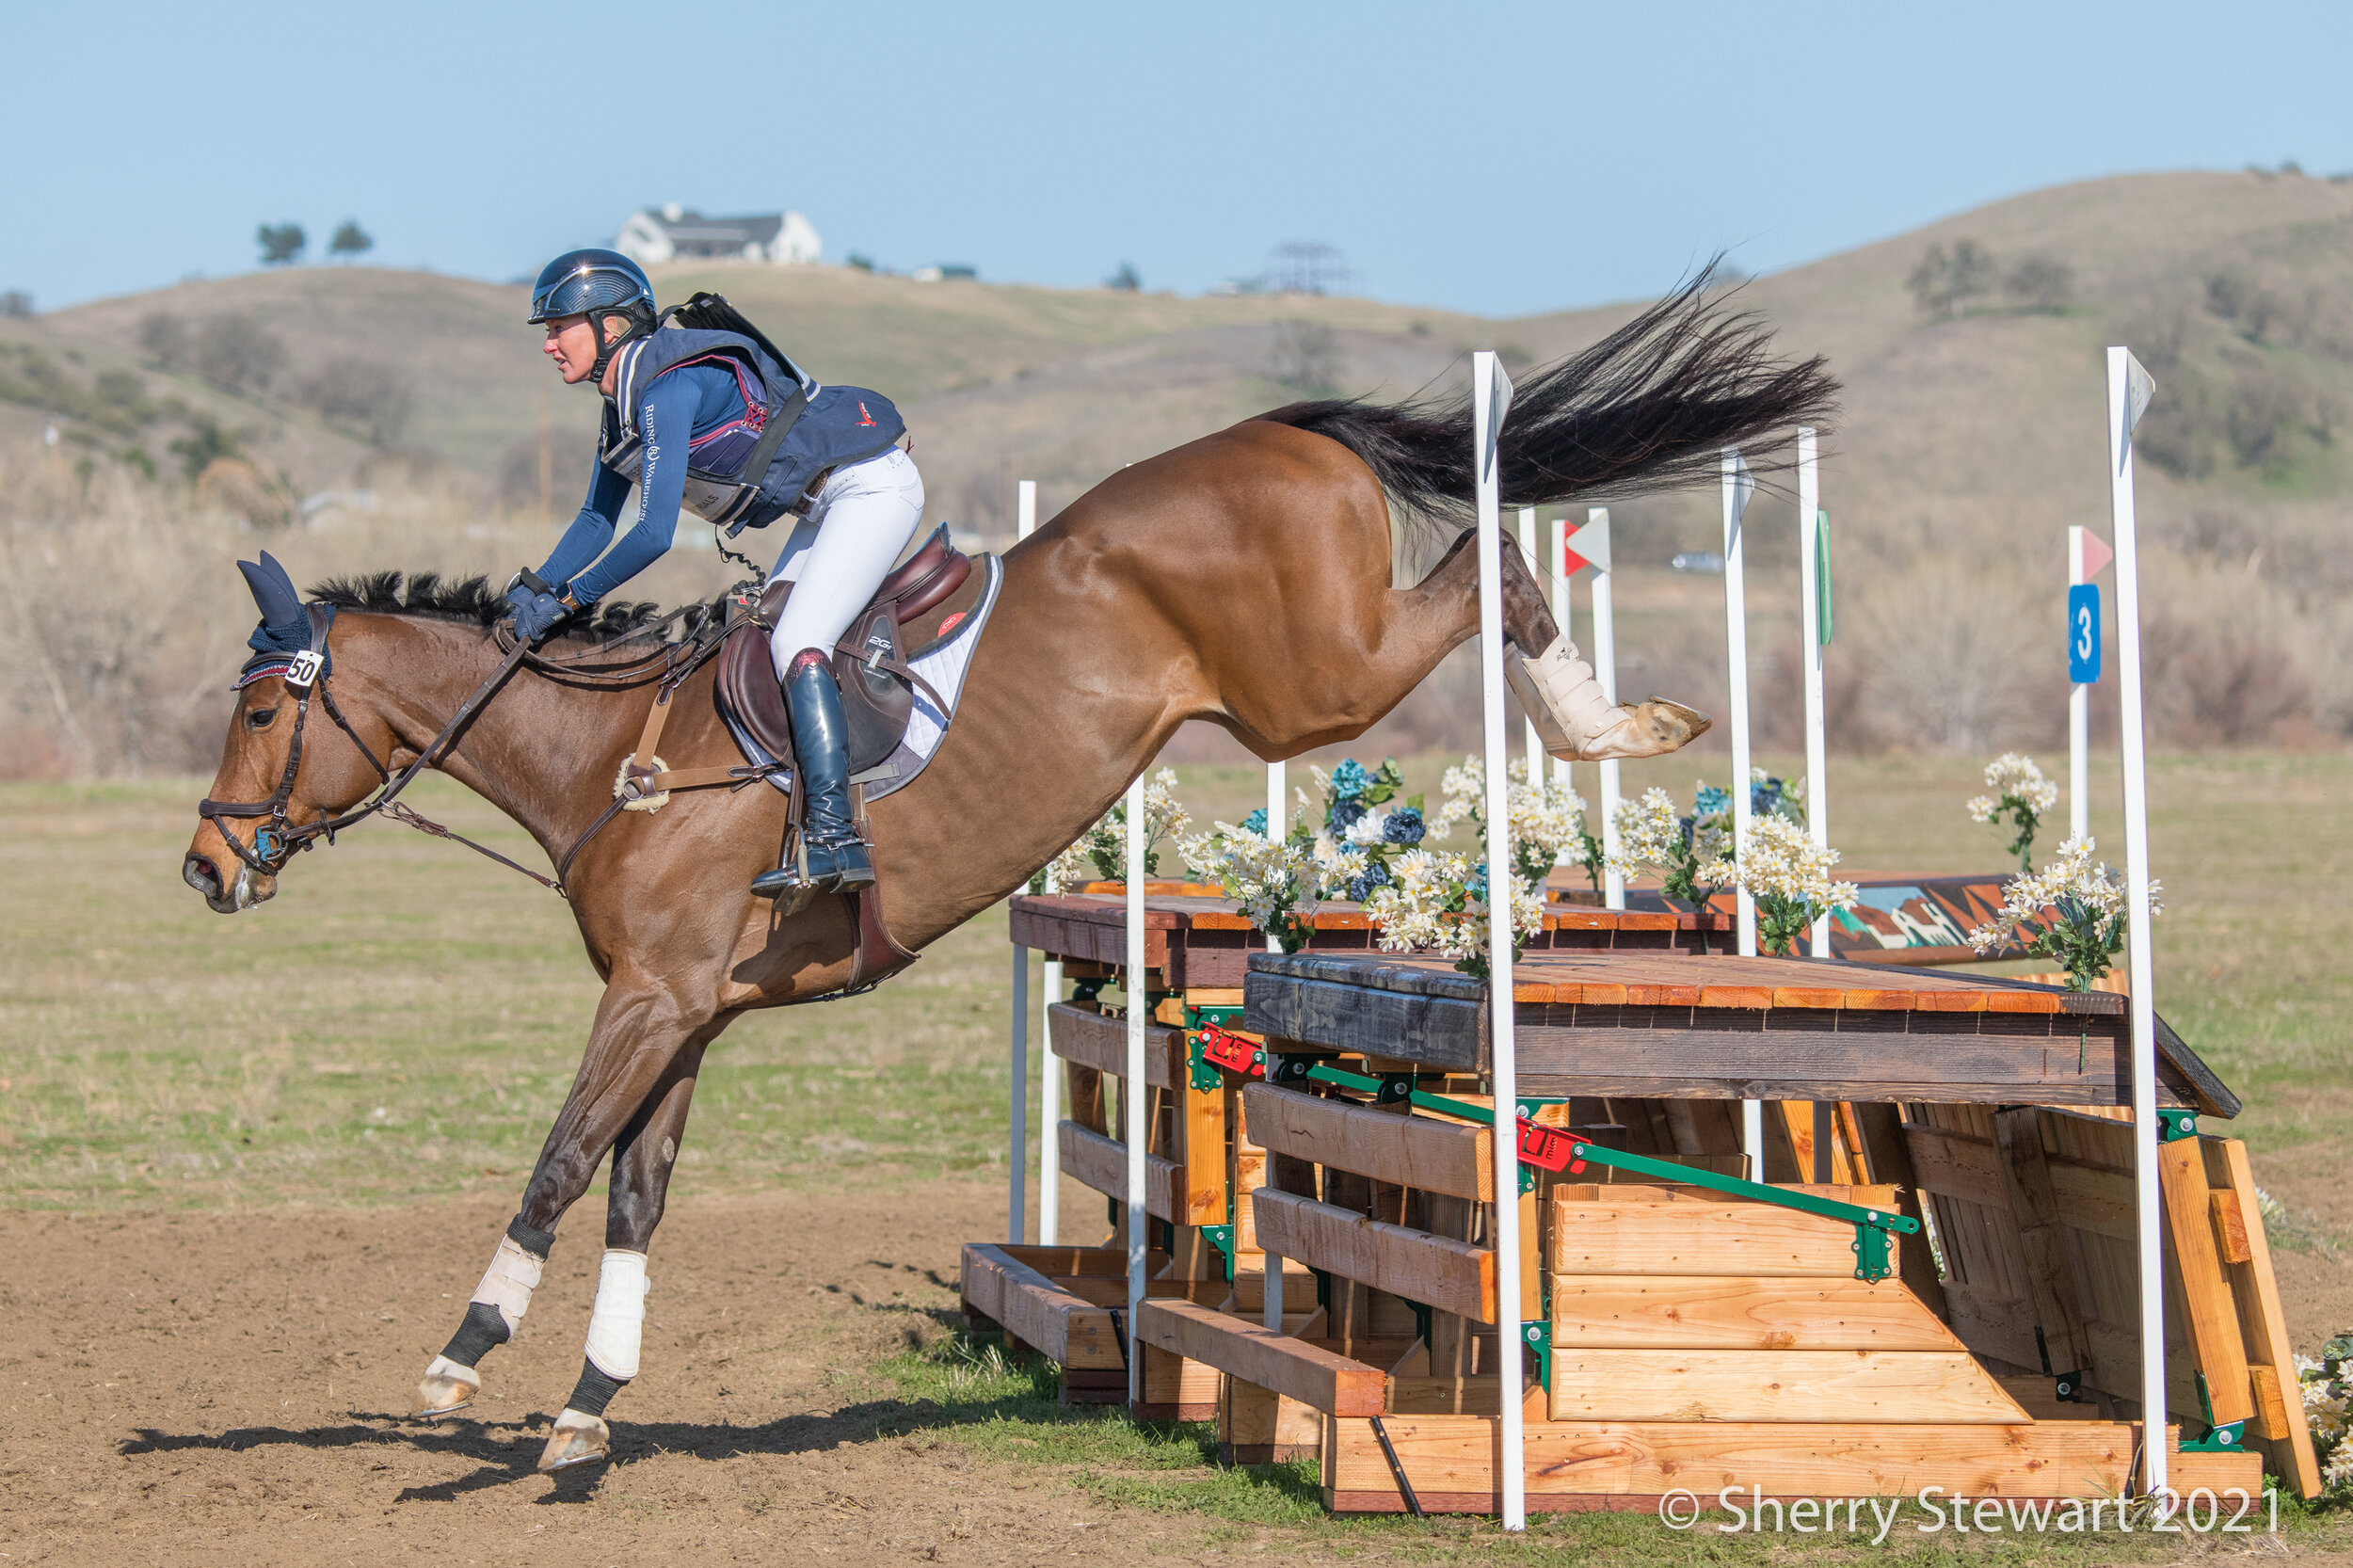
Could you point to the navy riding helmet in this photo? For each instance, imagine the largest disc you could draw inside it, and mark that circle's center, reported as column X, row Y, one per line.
column 595, row 284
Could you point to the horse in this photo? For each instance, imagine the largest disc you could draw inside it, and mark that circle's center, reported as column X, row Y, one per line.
column 1244, row 579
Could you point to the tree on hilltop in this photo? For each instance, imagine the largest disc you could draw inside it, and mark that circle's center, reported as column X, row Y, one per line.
column 1946, row 279
column 280, row 243
column 349, row 239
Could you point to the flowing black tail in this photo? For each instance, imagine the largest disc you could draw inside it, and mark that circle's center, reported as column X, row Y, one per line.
column 1649, row 408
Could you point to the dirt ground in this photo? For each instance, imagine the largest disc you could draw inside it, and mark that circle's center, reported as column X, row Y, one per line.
column 202, row 1388
column 219, row 1388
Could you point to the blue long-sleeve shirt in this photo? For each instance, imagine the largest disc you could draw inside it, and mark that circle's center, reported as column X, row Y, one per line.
column 678, row 407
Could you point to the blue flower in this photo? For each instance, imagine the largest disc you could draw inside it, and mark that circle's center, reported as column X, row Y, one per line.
column 1765, row 799
column 1710, row 800
column 1404, row 826
column 1255, row 821
column 1348, row 780
column 1344, row 815
column 1376, row 875
column 1478, row 882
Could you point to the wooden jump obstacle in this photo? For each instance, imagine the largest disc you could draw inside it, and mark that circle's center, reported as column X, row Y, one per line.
column 1679, row 1335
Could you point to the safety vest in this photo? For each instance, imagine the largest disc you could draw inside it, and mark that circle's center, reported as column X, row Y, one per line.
column 753, row 469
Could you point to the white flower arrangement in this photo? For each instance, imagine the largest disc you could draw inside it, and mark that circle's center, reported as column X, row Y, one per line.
column 1789, row 877
column 1436, row 902
column 1692, row 856
column 2020, row 795
column 1277, row 882
column 1101, row 852
column 2327, row 1386
column 2088, row 899
column 1547, row 818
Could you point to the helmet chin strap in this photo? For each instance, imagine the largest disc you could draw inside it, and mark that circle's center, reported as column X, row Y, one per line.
column 607, row 347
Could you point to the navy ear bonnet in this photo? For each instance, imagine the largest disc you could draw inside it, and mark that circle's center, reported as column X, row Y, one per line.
column 286, row 627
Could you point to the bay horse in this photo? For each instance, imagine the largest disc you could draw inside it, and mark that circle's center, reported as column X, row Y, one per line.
column 1244, row 579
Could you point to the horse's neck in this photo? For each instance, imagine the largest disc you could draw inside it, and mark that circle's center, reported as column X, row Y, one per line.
column 523, row 750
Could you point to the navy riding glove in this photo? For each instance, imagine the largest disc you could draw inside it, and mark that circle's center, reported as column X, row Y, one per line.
column 537, row 613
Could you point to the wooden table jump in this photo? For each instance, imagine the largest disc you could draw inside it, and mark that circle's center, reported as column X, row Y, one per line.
column 1662, row 1025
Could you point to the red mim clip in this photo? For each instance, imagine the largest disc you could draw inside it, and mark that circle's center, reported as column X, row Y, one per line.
column 1230, row 1053
column 1548, row 1148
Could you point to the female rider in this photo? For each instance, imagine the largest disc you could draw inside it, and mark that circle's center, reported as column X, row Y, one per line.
column 717, row 404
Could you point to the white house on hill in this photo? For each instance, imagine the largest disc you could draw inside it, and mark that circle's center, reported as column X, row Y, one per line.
column 678, row 233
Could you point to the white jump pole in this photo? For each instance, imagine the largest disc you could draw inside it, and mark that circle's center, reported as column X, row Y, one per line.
column 2129, row 389
column 1738, row 485
column 1606, row 672
column 2079, row 710
column 1810, row 550
column 1529, row 558
column 1560, row 585
column 1050, row 1076
column 1134, row 1095
column 1270, row 1262
column 1490, row 399
column 1019, row 1161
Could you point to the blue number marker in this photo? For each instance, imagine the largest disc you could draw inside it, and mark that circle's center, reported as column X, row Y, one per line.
column 2083, row 634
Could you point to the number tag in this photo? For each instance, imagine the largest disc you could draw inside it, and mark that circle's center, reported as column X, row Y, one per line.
column 2083, row 634
column 304, row 670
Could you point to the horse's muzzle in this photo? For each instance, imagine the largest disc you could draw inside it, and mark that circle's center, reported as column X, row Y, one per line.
column 225, row 898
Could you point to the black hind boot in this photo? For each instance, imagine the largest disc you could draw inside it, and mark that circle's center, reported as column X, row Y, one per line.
column 833, row 858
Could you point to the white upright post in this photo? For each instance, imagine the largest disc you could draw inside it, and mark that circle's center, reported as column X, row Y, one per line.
column 1050, row 1076
column 1560, row 773
column 1277, row 819
column 1606, row 672
column 1810, row 550
column 1491, row 398
column 1019, row 1162
column 2078, row 712
column 1738, row 485
column 1529, row 558
column 2129, row 387
column 1134, row 1095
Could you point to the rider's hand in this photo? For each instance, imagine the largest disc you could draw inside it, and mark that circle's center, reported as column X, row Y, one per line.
column 536, row 614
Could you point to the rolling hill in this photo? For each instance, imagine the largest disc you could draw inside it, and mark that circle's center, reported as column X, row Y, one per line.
column 1972, row 436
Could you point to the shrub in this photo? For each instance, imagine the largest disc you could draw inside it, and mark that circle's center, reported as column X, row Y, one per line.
column 2044, row 282
column 1946, row 279
column 237, row 353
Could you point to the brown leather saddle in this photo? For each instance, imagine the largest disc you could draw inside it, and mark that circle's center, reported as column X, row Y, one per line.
column 911, row 611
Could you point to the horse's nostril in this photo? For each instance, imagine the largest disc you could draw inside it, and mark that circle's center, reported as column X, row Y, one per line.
column 201, row 874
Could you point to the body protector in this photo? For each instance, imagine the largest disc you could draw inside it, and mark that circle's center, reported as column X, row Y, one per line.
column 749, row 470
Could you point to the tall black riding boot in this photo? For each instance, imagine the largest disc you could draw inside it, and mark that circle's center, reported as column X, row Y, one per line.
column 835, row 861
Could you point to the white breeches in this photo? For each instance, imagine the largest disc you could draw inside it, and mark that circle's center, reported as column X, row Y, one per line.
column 838, row 555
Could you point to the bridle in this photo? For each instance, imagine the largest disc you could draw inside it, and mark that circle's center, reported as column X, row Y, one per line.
column 305, row 671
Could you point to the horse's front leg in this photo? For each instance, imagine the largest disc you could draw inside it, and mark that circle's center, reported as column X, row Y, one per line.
column 641, row 1029
column 642, row 1162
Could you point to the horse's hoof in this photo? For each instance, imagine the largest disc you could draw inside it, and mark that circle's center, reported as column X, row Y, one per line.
column 578, row 1439
column 446, row 1389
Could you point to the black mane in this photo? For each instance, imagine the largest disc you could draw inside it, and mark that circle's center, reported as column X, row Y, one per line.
column 469, row 599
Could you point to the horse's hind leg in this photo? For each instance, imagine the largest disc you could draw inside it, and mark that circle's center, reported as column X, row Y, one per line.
column 642, row 1162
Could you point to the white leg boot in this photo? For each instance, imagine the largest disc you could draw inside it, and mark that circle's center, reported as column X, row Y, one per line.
column 1577, row 722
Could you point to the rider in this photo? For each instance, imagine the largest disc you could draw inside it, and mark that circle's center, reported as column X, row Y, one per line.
column 688, row 416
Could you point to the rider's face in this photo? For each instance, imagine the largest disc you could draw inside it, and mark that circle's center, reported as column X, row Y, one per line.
column 572, row 344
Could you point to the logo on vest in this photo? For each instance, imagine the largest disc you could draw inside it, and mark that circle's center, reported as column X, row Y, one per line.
column 864, row 419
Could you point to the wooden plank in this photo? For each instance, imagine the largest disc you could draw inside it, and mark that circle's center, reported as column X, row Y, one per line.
column 1439, row 1031
column 1776, row 1385
column 1962, row 1167
column 1242, row 1349
column 1448, row 1276
column 1744, row 1312
column 2055, row 1272
column 1201, row 1151
column 1100, row 1040
column 2213, row 1322
column 2241, row 1472
column 1425, row 1153
column 1450, row 1460
column 2263, row 1326
column 1032, row 1308
column 2095, row 1199
column 1701, row 1238
column 1094, row 1160
column 1995, row 1326
column 2230, row 1227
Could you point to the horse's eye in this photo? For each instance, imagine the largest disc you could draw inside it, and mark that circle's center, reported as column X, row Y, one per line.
column 260, row 717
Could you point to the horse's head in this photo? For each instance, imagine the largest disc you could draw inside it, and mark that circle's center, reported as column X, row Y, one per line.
column 286, row 765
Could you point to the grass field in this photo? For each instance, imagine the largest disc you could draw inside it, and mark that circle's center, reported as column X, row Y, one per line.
column 404, row 1017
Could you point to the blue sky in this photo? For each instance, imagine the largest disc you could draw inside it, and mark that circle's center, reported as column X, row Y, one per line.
column 1504, row 158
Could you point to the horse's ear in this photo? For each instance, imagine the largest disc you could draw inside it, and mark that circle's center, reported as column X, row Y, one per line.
column 274, row 592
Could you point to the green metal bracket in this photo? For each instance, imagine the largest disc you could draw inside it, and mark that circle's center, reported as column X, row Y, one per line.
column 1538, row 1336
column 1199, row 1073
column 1872, row 1225
column 1421, row 1321
column 1197, row 1016
column 1222, row 1237
column 2227, row 1439
column 2176, row 1124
